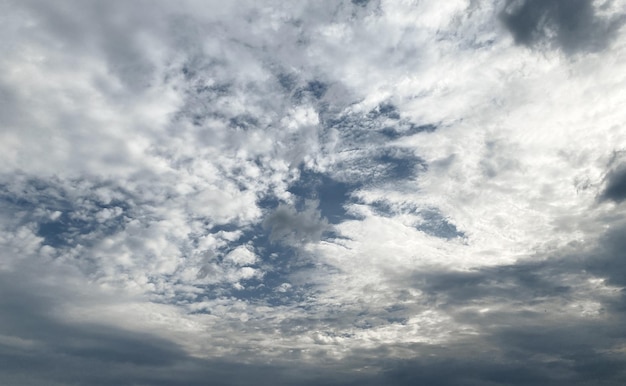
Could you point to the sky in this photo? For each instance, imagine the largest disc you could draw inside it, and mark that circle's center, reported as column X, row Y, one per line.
column 365, row 192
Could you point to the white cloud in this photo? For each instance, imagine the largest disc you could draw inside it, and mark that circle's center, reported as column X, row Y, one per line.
column 242, row 256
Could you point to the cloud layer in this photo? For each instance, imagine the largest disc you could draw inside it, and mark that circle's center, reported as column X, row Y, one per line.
column 317, row 193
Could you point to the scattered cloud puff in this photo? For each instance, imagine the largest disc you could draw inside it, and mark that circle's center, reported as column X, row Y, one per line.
column 369, row 192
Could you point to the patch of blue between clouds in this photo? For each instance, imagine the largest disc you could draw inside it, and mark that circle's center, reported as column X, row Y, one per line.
column 433, row 222
column 399, row 127
column 384, row 109
column 379, row 125
column 368, row 136
column 436, row 225
column 314, row 90
column 332, row 195
column 278, row 262
column 386, row 165
column 68, row 229
column 76, row 222
column 399, row 165
column 243, row 121
column 393, row 133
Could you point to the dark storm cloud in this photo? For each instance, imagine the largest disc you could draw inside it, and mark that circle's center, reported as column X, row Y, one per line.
column 609, row 260
column 615, row 189
column 537, row 282
column 516, row 360
column 43, row 349
column 572, row 25
column 524, row 282
column 37, row 348
column 522, row 338
column 28, row 311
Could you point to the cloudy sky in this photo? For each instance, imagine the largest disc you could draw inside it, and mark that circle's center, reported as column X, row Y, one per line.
column 312, row 192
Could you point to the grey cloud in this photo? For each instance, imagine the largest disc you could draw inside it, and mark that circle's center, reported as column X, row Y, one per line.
column 519, row 348
column 572, row 25
column 315, row 89
column 608, row 260
column 559, row 277
column 361, row 3
column 526, row 339
column 37, row 347
column 287, row 224
column 111, row 29
column 518, row 356
column 522, row 283
column 512, row 362
column 615, row 189
column 9, row 105
column 48, row 349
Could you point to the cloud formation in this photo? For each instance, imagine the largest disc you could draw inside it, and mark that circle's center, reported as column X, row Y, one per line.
column 315, row 193
column 571, row 25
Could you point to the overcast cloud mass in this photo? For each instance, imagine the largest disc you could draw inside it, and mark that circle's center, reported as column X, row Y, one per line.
column 380, row 192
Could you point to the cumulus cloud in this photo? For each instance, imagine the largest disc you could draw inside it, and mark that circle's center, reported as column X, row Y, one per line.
column 615, row 181
column 366, row 192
